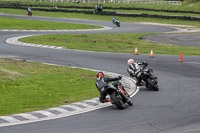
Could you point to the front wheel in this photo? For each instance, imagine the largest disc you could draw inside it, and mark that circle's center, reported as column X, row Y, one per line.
column 117, row 101
column 130, row 103
column 152, row 85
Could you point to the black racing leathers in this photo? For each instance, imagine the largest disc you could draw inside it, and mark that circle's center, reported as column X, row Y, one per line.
column 135, row 69
column 101, row 84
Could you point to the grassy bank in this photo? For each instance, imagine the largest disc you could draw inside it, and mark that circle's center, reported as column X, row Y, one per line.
column 100, row 17
column 117, row 43
column 185, row 7
column 26, row 86
column 20, row 24
column 129, row 11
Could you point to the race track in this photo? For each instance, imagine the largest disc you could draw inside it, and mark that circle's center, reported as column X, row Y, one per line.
column 173, row 109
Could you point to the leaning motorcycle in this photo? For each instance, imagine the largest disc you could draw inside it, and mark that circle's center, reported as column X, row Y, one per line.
column 150, row 80
column 118, row 95
column 29, row 13
column 117, row 23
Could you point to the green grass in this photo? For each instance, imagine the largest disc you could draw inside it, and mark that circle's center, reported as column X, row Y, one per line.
column 154, row 12
column 101, row 17
column 12, row 23
column 27, row 86
column 117, row 43
column 185, row 7
column 130, row 11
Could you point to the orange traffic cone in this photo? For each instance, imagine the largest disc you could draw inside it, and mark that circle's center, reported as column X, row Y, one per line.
column 136, row 51
column 151, row 54
column 180, row 59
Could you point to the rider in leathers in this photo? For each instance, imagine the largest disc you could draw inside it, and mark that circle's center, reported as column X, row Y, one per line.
column 28, row 10
column 135, row 70
column 101, row 84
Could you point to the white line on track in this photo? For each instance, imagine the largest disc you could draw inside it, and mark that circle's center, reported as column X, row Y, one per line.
column 193, row 62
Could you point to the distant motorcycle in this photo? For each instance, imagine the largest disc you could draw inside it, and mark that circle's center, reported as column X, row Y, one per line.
column 117, row 23
column 29, row 13
column 118, row 95
column 150, row 80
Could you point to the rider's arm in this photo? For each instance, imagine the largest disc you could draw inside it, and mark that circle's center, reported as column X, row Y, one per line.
column 108, row 79
column 130, row 72
column 143, row 64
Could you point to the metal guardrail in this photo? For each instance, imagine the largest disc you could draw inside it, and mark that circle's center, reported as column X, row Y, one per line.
column 110, row 1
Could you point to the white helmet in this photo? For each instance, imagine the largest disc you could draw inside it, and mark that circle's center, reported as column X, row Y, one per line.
column 130, row 61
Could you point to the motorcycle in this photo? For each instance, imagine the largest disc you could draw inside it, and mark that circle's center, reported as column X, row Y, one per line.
column 117, row 23
column 150, row 80
column 29, row 13
column 118, row 95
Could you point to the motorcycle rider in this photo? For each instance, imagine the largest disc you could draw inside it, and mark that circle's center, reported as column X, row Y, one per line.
column 113, row 20
column 101, row 84
column 29, row 10
column 135, row 70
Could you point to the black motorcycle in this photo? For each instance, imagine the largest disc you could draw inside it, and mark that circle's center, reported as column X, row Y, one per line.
column 118, row 95
column 150, row 80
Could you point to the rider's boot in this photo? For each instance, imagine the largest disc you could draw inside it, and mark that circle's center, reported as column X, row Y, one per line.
column 141, row 83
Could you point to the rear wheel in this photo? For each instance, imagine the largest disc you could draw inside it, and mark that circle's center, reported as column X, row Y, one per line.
column 152, row 85
column 117, row 101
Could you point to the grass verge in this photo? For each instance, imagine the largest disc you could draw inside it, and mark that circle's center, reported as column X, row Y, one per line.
column 185, row 7
column 118, row 43
column 27, row 86
column 101, row 17
column 130, row 11
column 21, row 24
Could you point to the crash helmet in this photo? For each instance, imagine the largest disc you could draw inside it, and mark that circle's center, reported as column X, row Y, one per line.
column 100, row 74
column 130, row 61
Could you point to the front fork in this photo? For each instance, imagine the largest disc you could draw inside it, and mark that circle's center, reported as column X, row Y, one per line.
column 124, row 93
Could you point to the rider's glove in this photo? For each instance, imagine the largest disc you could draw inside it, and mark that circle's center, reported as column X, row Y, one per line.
column 145, row 63
column 120, row 77
column 130, row 71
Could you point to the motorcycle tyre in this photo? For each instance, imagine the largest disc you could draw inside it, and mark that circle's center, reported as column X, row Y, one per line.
column 130, row 103
column 29, row 14
column 154, row 87
column 117, row 102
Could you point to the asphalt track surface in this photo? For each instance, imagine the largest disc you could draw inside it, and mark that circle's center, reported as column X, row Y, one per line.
column 191, row 40
column 173, row 109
